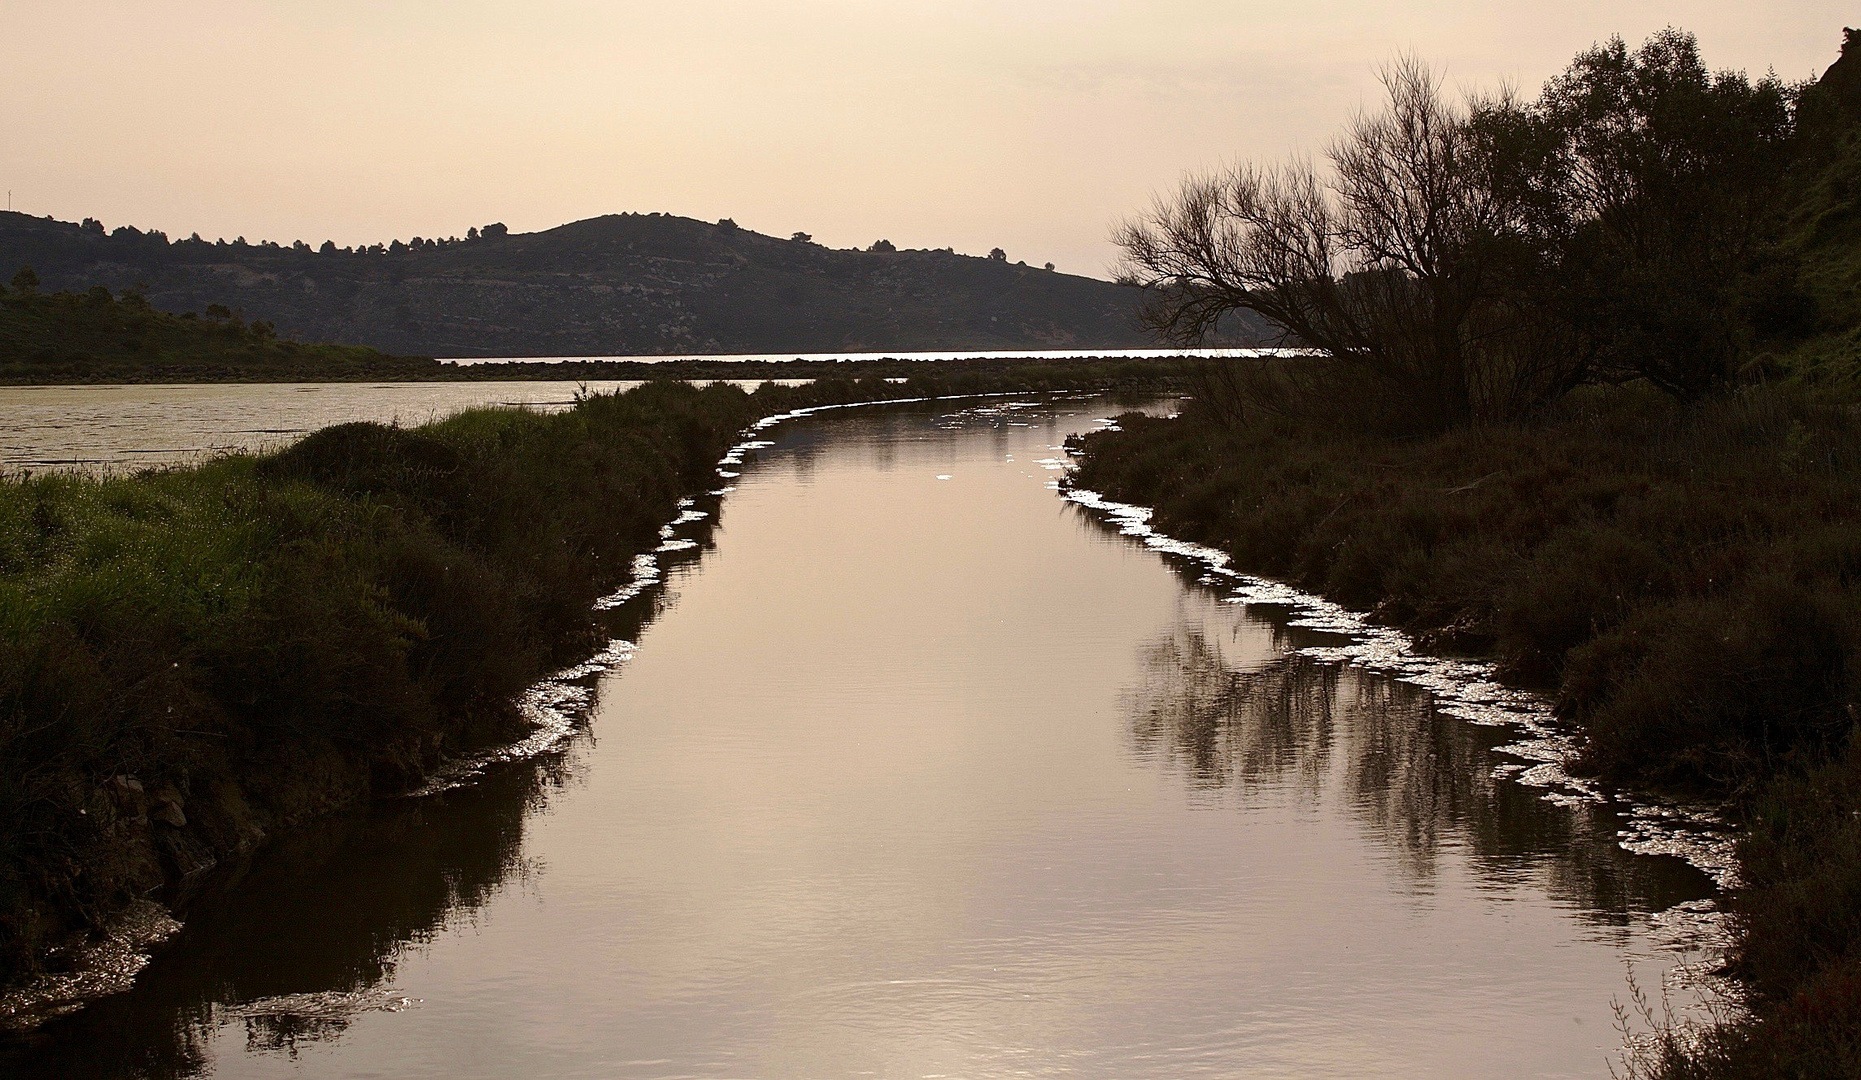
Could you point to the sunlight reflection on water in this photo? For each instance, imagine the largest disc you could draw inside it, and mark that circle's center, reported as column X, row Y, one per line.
column 907, row 777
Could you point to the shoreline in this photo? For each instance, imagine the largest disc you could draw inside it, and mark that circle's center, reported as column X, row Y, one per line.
column 106, row 959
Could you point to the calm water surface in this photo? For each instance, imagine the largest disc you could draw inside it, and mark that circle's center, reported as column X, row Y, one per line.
column 130, row 427
column 920, row 771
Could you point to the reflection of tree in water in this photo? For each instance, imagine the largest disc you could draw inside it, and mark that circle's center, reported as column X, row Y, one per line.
column 306, row 939
column 1422, row 782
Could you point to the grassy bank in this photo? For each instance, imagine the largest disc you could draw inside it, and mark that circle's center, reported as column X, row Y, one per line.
column 193, row 659
column 1685, row 580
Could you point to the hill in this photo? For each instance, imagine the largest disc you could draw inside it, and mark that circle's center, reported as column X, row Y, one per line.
column 94, row 336
column 1822, row 218
column 639, row 284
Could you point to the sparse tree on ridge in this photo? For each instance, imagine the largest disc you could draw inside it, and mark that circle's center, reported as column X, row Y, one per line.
column 998, row 255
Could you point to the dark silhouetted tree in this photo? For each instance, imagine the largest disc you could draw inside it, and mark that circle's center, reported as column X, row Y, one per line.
column 998, row 255
column 1664, row 175
column 1389, row 262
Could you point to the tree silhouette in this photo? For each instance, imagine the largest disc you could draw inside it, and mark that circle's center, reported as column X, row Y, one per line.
column 998, row 255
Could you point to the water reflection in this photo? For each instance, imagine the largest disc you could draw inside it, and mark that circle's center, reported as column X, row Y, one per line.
column 1421, row 782
column 926, row 777
column 296, row 945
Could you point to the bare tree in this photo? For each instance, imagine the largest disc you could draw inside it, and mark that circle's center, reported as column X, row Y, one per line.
column 1390, row 261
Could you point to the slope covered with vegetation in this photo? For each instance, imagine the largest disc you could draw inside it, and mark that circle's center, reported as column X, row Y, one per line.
column 95, row 336
column 1664, row 532
column 626, row 284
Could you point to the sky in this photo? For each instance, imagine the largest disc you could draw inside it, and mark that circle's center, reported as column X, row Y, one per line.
column 1033, row 125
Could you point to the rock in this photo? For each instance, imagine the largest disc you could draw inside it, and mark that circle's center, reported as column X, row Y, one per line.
column 167, row 809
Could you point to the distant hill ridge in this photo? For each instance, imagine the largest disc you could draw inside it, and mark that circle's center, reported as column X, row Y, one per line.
column 624, row 284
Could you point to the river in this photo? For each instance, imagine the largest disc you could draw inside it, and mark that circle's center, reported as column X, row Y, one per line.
column 918, row 769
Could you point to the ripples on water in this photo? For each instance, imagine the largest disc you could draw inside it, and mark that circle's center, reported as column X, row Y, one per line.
column 131, row 427
column 921, row 770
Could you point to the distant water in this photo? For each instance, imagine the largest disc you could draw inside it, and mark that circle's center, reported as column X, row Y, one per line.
column 922, row 770
column 132, row 427
column 928, row 357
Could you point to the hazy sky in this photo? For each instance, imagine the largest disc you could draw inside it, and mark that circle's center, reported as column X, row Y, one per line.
column 1029, row 124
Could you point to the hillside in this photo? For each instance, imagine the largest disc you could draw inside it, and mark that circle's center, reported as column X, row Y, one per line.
column 616, row 285
column 94, row 336
column 1822, row 217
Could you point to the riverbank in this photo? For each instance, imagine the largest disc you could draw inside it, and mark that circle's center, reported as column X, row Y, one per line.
column 196, row 659
column 1683, row 580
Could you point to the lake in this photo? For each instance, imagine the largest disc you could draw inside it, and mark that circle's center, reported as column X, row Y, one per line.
column 134, row 426
column 912, row 767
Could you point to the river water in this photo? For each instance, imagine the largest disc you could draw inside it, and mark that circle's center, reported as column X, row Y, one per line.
column 920, row 770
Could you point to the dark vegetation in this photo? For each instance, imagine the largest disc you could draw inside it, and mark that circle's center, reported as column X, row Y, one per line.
column 96, row 336
column 192, row 659
column 1474, row 261
column 1593, row 408
column 625, row 284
